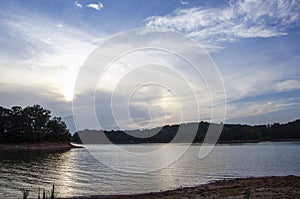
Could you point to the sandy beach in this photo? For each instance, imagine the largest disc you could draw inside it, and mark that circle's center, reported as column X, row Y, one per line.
column 261, row 187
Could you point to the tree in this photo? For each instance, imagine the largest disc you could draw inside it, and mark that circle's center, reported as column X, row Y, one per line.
column 15, row 128
column 57, row 130
column 36, row 121
column 4, row 122
column 31, row 124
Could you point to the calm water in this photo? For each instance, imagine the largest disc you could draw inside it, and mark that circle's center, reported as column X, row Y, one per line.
column 76, row 172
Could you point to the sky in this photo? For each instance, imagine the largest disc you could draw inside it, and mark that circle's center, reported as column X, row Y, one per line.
column 254, row 44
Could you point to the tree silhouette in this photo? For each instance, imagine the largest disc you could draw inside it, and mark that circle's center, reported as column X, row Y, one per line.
column 230, row 133
column 31, row 124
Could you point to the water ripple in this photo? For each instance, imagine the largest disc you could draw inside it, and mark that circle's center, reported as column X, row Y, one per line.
column 76, row 172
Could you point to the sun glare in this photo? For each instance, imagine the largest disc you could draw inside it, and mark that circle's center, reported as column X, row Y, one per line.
column 66, row 85
column 68, row 92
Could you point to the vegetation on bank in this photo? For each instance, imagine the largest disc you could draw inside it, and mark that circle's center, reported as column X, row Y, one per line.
column 230, row 133
column 45, row 194
column 31, row 124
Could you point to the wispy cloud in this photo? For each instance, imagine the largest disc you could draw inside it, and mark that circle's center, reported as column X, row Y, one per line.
column 77, row 4
column 97, row 6
column 47, row 57
column 184, row 2
column 239, row 19
column 44, row 56
column 288, row 85
column 239, row 110
column 258, row 81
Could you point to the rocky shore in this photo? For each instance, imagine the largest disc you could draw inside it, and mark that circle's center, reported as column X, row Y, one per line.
column 261, row 187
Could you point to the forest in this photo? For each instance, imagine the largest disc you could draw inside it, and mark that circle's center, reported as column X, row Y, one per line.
column 31, row 124
column 35, row 124
column 230, row 133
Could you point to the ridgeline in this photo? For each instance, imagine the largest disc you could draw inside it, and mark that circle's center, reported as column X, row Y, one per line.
column 231, row 133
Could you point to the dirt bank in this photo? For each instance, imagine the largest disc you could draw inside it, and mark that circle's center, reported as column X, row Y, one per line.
column 263, row 187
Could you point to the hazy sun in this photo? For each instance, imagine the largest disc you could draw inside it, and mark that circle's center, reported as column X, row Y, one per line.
column 67, row 91
column 66, row 85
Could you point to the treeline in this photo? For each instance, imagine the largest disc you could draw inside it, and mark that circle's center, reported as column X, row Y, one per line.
column 31, row 124
column 230, row 133
column 274, row 132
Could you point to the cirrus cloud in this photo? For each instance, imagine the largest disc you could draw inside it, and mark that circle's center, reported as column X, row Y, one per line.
column 239, row 19
column 288, row 85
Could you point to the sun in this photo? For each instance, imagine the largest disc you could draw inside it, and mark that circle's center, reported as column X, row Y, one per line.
column 65, row 85
column 68, row 92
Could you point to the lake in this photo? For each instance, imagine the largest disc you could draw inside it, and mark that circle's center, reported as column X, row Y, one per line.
column 77, row 172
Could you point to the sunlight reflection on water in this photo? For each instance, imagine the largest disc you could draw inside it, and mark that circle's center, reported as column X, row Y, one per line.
column 76, row 172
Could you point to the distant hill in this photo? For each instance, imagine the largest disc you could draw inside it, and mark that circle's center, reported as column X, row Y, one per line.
column 230, row 133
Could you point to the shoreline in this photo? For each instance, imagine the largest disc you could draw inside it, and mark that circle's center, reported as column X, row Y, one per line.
column 256, row 141
column 197, row 143
column 252, row 187
column 43, row 146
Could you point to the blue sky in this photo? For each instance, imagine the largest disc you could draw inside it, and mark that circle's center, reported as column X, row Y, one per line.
column 255, row 45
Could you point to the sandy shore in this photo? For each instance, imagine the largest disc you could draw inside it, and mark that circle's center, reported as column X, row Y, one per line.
column 263, row 187
column 37, row 146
